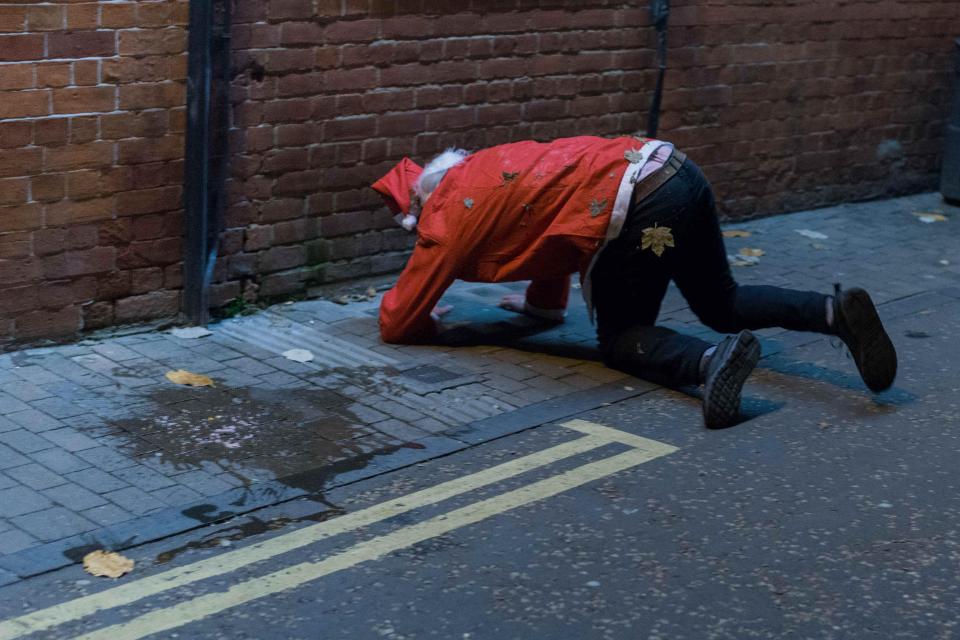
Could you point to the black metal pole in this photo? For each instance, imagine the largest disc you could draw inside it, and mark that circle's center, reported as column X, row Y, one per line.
column 197, row 163
column 205, row 168
column 660, row 12
column 950, row 170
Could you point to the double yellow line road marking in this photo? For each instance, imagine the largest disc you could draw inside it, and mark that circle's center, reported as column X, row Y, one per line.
column 595, row 436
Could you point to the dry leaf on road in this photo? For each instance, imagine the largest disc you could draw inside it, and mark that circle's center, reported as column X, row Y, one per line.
column 929, row 216
column 181, row 376
column 813, row 235
column 752, row 252
column 107, row 564
column 298, row 355
column 743, row 261
column 191, row 333
column 736, row 233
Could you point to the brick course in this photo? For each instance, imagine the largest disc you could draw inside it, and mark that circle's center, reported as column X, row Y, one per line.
column 785, row 105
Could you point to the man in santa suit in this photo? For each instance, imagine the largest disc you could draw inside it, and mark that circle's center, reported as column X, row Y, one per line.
column 629, row 214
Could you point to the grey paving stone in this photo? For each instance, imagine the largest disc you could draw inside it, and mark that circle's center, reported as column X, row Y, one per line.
column 70, row 439
column 281, row 380
column 400, row 431
column 10, row 458
column 35, row 476
column 96, row 480
column 177, row 495
column 14, row 540
column 106, row 458
column 134, row 500
column 25, row 391
column 143, row 477
column 6, row 425
column 59, row 461
column 114, row 351
column 9, row 404
column 161, row 349
column 107, row 514
column 20, row 500
column 249, row 366
column 53, row 523
column 202, row 482
column 59, row 408
column 74, row 497
column 5, row 483
column 215, row 351
column 34, row 420
column 38, row 375
column 96, row 362
column 24, row 441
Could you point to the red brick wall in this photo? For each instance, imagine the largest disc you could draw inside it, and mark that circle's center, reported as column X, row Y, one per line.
column 787, row 105
column 91, row 145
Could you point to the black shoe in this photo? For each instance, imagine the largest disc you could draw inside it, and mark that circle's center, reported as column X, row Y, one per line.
column 727, row 370
column 855, row 321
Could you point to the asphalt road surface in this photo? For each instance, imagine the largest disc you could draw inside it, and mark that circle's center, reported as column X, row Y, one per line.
column 829, row 514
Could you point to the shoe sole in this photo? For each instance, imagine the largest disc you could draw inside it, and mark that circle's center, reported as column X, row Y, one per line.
column 721, row 396
column 874, row 354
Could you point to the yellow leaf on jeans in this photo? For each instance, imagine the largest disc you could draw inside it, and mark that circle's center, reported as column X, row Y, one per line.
column 657, row 239
column 750, row 251
column 181, row 376
column 106, row 564
column 736, row 233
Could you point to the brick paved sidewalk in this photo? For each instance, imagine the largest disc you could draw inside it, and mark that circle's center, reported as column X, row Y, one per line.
column 97, row 448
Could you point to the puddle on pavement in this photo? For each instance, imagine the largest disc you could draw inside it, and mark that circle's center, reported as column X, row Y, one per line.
column 302, row 437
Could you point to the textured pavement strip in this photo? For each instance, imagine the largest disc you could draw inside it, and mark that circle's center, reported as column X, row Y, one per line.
column 92, row 436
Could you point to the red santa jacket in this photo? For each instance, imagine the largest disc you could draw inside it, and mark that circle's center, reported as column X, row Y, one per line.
column 521, row 211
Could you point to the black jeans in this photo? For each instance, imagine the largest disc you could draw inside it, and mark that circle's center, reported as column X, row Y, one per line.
column 629, row 283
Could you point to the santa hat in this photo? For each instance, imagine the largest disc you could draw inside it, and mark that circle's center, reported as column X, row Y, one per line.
column 397, row 186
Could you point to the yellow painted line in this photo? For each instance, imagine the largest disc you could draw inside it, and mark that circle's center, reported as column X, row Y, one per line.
column 206, row 605
column 221, row 564
column 615, row 435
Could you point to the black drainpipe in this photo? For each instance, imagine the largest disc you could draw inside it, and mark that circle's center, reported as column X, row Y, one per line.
column 659, row 13
column 205, row 166
column 950, row 171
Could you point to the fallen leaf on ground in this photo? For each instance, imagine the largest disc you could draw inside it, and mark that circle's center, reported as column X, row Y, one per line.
column 817, row 245
column 298, row 355
column 929, row 216
column 752, row 252
column 371, row 293
column 106, row 564
column 181, row 376
column 736, row 233
column 190, row 333
column 813, row 235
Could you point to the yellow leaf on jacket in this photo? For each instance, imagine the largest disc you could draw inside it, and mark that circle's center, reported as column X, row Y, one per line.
column 736, row 233
column 633, row 156
column 180, row 376
column 107, row 564
column 750, row 251
column 657, row 239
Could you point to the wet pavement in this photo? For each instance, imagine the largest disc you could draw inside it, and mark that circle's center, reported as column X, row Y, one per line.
column 829, row 511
